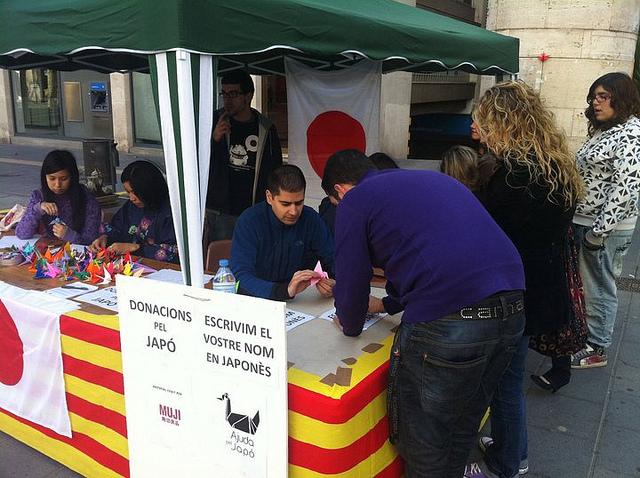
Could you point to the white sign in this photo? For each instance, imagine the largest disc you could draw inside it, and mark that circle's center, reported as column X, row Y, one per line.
column 205, row 377
column 106, row 298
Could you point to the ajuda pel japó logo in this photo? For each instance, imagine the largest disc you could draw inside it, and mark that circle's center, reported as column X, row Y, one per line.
column 170, row 415
column 243, row 427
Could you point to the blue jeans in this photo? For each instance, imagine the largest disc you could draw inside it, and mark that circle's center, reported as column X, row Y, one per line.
column 509, row 418
column 599, row 270
column 447, row 373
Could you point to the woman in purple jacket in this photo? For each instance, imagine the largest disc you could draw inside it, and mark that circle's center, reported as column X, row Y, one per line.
column 62, row 207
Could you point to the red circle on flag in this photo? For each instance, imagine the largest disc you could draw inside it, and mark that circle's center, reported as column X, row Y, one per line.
column 11, row 349
column 332, row 131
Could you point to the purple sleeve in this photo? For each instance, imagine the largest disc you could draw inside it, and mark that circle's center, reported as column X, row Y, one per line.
column 30, row 222
column 353, row 270
column 90, row 230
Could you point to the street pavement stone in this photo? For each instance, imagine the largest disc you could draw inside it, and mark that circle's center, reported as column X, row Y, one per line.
column 20, row 170
column 20, row 461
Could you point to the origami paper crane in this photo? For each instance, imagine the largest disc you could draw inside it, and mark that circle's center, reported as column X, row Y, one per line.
column 40, row 273
column 52, row 271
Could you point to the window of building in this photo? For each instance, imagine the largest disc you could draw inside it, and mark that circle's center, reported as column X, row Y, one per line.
column 145, row 119
column 36, row 101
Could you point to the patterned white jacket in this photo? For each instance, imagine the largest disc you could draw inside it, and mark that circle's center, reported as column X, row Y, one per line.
column 609, row 163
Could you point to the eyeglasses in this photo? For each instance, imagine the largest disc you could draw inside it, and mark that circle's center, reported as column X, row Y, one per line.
column 599, row 98
column 230, row 94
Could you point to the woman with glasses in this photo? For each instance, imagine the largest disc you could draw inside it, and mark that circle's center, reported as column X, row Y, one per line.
column 532, row 196
column 609, row 163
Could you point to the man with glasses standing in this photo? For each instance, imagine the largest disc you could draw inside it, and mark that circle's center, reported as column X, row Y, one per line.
column 245, row 148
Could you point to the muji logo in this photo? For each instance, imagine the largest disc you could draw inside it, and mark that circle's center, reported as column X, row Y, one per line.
column 170, row 415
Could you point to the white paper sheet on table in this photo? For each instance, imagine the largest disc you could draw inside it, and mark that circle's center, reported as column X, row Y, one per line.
column 169, row 275
column 368, row 322
column 106, row 298
column 293, row 319
column 8, row 241
column 71, row 290
column 37, row 299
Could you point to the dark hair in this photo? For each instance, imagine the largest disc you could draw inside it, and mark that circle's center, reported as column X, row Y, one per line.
column 238, row 77
column 625, row 100
column 345, row 167
column 287, row 178
column 147, row 182
column 383, row 161
column 58, row 160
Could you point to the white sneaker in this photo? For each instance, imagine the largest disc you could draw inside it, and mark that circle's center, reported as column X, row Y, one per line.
column 486, row 442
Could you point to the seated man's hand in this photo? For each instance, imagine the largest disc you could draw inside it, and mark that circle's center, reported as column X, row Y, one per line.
column 300, row 281
column 375, row 305
column 325, row 287
column 99, row 244
column 124, row 247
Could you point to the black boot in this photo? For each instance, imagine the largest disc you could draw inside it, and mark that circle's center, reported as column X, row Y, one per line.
column 557, row 376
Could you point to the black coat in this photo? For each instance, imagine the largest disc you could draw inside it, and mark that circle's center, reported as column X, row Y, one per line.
column 538, row 228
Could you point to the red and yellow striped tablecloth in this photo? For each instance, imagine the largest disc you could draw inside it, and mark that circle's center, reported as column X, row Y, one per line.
column 334, row 431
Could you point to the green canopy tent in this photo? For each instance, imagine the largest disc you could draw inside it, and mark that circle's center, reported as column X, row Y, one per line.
column 184, row 45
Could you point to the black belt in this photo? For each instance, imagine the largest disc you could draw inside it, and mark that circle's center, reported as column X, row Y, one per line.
column 498, row 306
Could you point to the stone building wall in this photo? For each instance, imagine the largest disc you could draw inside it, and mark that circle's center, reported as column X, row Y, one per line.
column 584, row 40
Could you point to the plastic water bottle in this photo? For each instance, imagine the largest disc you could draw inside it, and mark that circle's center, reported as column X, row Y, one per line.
column 224, row 280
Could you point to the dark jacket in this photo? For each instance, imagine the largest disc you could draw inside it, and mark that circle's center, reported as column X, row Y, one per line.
column 265, row 252
column 152, row 229
column 538, row 228
column 268, row 157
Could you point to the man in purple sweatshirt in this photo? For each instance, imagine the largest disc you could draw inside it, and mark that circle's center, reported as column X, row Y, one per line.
column 459, row 280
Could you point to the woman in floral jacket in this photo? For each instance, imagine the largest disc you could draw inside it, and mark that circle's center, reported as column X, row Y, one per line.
column 143, row 226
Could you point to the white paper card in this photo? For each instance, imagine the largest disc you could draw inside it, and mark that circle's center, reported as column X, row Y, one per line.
column 73, row 289
column 293, row 319
column 174, row 277
column 106, row 298
column 370, row 319
column 37, row 299
column 8, row 241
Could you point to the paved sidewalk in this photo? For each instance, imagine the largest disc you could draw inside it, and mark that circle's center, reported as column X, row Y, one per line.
column 20, row 170
column 590, row 428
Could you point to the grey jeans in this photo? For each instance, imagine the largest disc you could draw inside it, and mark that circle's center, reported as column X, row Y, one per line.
column 599, row 270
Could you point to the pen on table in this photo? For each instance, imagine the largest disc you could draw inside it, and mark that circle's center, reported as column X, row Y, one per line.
column 75, row 287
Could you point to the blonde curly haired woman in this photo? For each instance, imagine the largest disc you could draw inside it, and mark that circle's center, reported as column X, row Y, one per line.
column 532, row 195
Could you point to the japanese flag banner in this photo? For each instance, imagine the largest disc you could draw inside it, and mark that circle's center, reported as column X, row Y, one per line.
column 329, row 111
column 31, row 374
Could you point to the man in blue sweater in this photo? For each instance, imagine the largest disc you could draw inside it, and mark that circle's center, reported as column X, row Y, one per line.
column 459, row 280
column 277, row 243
